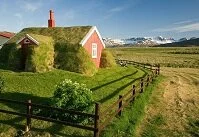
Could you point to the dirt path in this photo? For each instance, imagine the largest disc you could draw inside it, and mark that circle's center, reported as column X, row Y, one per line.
column 173, row 105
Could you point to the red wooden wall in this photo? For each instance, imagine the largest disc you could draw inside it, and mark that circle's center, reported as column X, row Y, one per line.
column 94, row 38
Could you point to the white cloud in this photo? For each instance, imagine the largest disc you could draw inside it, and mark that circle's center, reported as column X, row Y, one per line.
column 113, row 11
column 116, row 9
column 183, row 22
column 70, row 15
column 18, row 15
column 189, row 27
column 20, row 21
column 180, row 28
column 31, row 6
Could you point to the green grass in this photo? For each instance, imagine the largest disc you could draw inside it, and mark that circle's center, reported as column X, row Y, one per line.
column 194, row 127
column 106, row 85
column 131, row 117
column 152, row 129
column 168, row 57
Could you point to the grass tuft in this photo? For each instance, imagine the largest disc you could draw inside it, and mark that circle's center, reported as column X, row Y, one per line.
column 107, row 60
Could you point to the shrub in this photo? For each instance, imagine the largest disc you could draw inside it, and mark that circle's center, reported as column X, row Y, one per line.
column 72, row 96
column 107, row 59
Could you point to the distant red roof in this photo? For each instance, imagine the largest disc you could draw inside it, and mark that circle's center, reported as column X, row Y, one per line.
column 7, row 34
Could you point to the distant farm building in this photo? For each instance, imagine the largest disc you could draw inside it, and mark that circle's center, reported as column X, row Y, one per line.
column 5, row 36
column 76, row 49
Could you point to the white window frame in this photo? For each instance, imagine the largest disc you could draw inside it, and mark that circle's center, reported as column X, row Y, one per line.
column 94, row 50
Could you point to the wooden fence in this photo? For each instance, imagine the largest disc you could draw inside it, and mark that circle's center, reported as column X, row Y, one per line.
column 107, row 115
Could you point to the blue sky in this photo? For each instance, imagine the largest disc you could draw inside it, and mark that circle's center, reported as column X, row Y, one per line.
column 114, row 18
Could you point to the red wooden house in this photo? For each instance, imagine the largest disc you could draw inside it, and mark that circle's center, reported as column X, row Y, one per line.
column 94, row 44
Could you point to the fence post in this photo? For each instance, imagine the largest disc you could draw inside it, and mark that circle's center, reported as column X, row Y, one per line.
column 158, row 69
column 141, row 85
column 96, row 124
column 29, row 109
column 147, row 81
column 151, row 67
column 120, row 105
column 133, row 91
column 156, row 72
column 150, row 78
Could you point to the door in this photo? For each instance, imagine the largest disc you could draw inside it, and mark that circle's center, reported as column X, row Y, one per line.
column 24, row 50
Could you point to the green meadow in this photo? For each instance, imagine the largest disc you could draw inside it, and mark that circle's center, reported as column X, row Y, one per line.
column 167, row 57
column 106, row 86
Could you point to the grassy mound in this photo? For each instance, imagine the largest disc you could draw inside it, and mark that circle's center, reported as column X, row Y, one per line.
column 69, row 55
column 73, row 58
column 107, row 59
column 10, row 56
column 40, row 58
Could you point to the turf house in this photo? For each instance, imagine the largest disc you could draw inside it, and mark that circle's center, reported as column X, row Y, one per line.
column 40, row 49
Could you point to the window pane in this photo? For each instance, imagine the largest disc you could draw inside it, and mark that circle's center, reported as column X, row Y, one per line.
column 94, row 50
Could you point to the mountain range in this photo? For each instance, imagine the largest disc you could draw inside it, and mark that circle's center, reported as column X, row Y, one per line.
column 150, row 41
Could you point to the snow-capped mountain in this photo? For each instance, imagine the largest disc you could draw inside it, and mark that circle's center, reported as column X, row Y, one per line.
column 112, row 42
column 138, row 41
column 161, row 40
column 182, row 39
column 150, row 41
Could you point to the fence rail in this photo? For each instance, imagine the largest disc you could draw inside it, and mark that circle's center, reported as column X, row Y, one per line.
column 98, row 124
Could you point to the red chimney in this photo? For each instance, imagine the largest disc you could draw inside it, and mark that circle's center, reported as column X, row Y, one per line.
column 51, row 21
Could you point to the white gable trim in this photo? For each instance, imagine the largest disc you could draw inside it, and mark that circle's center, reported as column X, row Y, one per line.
column 88, row 35
column 29, row 37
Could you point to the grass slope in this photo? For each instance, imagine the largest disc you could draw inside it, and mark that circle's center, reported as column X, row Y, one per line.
column 127, row 124
column 106, row 85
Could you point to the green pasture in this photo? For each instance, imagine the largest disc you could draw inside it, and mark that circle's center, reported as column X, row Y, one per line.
column 167, row 57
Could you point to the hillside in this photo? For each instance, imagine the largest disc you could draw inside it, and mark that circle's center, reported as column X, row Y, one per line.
column 187, row 43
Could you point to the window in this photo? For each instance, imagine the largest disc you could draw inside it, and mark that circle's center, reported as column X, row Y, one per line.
column 26, row 41
column 94, row 50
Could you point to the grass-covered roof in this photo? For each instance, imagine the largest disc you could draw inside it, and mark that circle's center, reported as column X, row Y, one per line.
column 41, row 38
column 70, row 35
column 58, row 47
